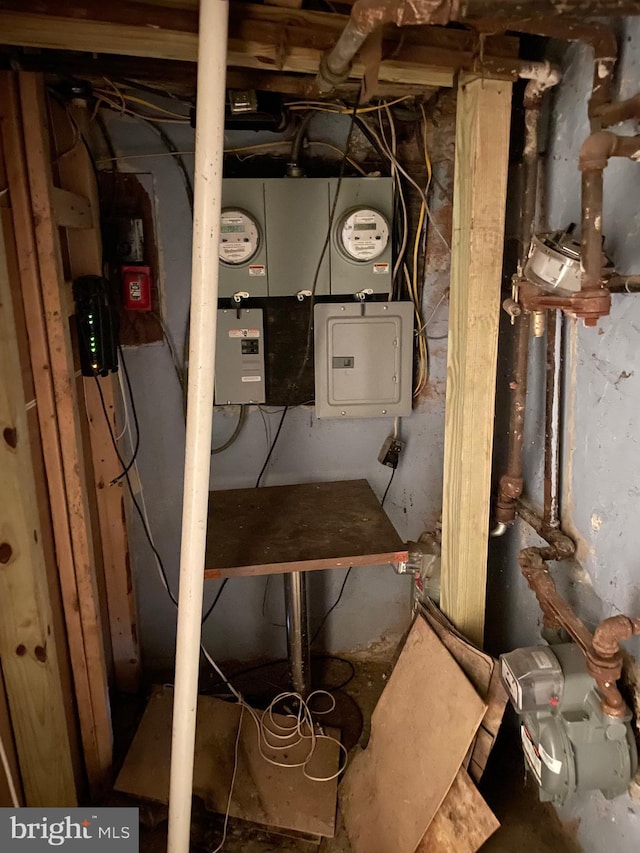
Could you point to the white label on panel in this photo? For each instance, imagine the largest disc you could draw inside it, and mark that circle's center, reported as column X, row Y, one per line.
column 257, row 269
column 244, row 333
column 252, row 378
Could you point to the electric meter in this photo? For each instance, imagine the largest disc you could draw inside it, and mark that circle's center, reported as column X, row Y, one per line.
column 239, row 237
column 363, row 234
column 569, row 743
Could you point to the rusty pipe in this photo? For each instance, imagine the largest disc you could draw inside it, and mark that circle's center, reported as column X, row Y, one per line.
column 602, row 650
column 563, row 547
column 595, row 154
column 610, row 114
column 511, row 482
column 624, row 284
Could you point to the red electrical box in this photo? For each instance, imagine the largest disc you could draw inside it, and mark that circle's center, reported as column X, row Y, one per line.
column 136, row 288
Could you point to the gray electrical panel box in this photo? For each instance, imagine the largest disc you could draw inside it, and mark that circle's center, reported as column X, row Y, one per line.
column 240, row 357
column 363, row 359
column 297, row 224
column 273, row 232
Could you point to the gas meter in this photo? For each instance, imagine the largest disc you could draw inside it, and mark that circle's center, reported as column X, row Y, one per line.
column 364, row 234
column 554, row 262
column 239, row 237
column 569, row 743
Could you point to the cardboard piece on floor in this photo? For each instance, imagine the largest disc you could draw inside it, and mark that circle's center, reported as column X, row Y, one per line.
column 484, row 673
column 421, row 730
column 463, row 822
column 263, row 794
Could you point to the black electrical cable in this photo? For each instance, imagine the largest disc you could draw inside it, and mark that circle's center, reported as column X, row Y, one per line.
column 332, row 608
column 327, row 240
column 177, row 156
column 136, row 447
column 134, row 500
column 386, row 491
column 281, row 661
column 210, row 609
column 234, row 435
column 273, row 445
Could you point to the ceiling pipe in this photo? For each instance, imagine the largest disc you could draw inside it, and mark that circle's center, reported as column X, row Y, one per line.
column 212, row 62
column 541, row 17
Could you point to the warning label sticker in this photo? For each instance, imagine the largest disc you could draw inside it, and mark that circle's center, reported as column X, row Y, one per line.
column 381, row 269
column 531, row 753
column 244, row 333
column 257, row 269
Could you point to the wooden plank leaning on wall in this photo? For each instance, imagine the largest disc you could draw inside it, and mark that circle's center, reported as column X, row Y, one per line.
column 46, row 311
column 480, row 187
column 84, row 249
column 27, row 640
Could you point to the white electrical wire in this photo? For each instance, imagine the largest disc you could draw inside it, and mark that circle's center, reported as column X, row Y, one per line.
column 7, row 772
column 268, row 729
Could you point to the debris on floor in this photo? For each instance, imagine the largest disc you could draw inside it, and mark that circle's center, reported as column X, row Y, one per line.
column 408, row 789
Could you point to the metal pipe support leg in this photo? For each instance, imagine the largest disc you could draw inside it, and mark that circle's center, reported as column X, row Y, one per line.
column 297, row 620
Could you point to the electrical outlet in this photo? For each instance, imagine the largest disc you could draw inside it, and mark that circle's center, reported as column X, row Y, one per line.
column 390, row 452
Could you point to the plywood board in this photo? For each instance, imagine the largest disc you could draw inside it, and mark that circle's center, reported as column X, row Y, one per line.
column 483, row 672
column 298, row 528
column 463, row 822
column 262, row 793
column 421, row 729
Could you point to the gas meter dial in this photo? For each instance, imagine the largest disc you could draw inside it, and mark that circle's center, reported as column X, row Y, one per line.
column 363, row 234
column 239, row 237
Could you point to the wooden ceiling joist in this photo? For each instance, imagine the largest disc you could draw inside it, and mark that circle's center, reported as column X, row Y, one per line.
column 264, row 38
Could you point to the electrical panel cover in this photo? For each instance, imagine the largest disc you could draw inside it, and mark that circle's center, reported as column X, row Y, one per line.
column 239, row 376
column 363, row 359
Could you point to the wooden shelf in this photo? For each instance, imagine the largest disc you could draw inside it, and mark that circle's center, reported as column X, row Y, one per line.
column 297, row 528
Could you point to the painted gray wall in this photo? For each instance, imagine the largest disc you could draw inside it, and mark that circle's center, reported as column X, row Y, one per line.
column 601, row 465
column 376, row 602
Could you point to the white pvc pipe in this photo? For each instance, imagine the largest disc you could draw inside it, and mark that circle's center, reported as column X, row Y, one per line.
column 212, row 61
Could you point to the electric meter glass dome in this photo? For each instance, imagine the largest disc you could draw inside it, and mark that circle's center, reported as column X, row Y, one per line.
column 239, row 237
column 364, row 234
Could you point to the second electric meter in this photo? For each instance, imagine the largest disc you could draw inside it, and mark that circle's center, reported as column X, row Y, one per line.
column 363, row 234
column 239, row 237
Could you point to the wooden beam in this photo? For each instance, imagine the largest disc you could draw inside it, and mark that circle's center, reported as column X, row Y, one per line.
column 27, row 642
column 70, row 210
column 261, row 37
column 12, row 141
column 480, row 185
column 85, row 258
column 52, row 285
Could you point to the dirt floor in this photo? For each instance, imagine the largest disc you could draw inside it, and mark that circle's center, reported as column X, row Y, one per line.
column 528, row 826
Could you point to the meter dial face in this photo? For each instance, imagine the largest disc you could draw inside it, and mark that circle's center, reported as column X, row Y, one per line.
column 364, row 234
column 239, row 237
